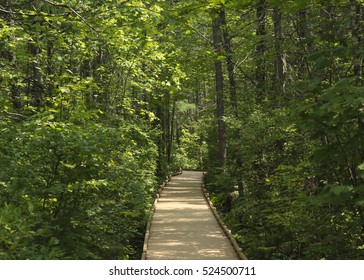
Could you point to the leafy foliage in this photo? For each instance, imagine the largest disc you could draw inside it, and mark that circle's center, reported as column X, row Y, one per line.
column 301, row 149
column 74, row 191
column 78, row 152
column 100, row 100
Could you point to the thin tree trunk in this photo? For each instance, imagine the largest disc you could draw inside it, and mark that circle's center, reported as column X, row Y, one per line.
column 356, row 38
column 230, row 62
column 356, row 26
column 307, row 47
column 170, row 128
column 279, row 59
column 36, row 84
column 161, row 162
column 302, row 35
column 260, row 74
column 219, row 80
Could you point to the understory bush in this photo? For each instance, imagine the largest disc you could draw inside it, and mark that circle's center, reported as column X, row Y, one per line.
column 74, row 191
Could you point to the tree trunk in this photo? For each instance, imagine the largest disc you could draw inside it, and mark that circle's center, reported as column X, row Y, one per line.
column 260, row 74
column 230, row 62
column 356, row 38
column 279, row 56
column 36, row 85
column 356, row 27
column 169, row 127
column 162, row 161
column 302, row 31
column 219, row 80
column 233, row 96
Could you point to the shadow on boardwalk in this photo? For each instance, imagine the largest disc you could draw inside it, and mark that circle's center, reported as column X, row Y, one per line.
column 183, row 226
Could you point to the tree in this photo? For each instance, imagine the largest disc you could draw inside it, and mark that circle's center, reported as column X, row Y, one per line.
column 261, row 14
column 219, row 82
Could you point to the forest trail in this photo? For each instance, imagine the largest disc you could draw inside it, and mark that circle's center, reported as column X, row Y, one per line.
column 183, row 226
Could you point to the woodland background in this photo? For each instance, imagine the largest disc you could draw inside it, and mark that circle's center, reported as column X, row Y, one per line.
column 101, row 100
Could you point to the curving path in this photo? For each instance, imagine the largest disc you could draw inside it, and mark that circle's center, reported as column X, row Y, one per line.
column 183, row 226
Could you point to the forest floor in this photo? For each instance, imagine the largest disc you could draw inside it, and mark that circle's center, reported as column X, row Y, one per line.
column 183, row 226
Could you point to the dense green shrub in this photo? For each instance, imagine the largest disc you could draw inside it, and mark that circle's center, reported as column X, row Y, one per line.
column 74, row 191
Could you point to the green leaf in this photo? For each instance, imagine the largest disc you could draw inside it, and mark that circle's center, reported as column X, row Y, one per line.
column 341, row 190
column 361, row 166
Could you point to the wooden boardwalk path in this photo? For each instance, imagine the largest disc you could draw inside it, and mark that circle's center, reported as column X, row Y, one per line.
column 183, row 226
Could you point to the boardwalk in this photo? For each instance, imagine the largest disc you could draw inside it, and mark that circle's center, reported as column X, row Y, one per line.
column 183, row 226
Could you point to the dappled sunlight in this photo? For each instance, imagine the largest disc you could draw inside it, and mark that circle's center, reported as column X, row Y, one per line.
column 183, row 226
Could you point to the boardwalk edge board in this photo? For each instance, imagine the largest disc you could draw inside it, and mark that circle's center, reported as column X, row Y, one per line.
column 226, row 230
column 147, row 231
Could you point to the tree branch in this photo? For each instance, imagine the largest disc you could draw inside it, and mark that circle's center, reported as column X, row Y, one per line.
column 236, row 65
column 75, row 12
column 21, row 13
column 15, row 115
column 15, row 13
